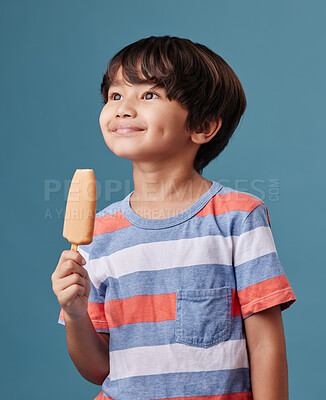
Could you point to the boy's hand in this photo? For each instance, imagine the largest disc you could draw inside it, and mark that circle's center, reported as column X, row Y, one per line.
column 71, row 284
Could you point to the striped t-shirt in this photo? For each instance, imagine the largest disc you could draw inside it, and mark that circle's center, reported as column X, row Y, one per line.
column 173, row 293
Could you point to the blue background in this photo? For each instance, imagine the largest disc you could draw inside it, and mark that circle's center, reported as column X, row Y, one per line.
column 53, row 55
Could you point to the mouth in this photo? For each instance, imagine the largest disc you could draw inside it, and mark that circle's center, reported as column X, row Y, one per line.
column 127, row 130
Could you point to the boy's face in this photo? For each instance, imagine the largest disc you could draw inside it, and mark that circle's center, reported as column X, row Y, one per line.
column 144, row 125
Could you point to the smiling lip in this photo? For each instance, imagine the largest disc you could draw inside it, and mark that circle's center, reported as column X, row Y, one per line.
column 127, row 130
column 124, row 129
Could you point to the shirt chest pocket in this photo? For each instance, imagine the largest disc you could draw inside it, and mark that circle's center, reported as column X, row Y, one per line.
column 203, row 316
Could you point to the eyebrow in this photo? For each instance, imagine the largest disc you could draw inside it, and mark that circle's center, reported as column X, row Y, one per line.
column 117, row 83
column 120, row 83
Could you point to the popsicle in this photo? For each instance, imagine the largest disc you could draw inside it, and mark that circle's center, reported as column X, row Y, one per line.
column 80, row 213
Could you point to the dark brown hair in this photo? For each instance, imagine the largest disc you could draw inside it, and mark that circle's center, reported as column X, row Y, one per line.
column 195, row 76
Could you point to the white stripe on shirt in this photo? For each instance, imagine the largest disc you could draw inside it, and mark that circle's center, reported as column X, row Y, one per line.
column 177, row 357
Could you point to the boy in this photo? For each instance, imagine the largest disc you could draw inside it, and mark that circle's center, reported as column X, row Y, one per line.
column 181, row 293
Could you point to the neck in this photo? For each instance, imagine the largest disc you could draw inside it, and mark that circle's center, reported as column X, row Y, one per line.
column 163, row 184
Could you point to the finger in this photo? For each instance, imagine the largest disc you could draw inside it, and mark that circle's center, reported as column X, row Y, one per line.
column 68, row 295
column 72, row 255
column 65, row 282
column 70, row 267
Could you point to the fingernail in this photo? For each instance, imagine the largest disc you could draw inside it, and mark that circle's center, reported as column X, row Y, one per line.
column 83, row 261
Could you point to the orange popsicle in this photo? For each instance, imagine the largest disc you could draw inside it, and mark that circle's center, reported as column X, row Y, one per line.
column 80, row 209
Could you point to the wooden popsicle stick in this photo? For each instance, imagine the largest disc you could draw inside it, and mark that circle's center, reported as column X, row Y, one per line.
column 74, row 247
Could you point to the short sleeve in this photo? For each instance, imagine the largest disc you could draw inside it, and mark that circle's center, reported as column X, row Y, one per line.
column 96, row 299
column 260, row 279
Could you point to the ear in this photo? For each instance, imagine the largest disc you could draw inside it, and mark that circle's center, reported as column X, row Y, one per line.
column 206, row 132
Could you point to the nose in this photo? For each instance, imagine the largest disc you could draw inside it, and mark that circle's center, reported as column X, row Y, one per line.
column 126, row 109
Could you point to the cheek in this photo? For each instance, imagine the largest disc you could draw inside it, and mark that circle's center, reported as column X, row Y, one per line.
column 101, row 117
column 104, row 118
column 154, row 118
column 166, row 120
column 173, row 121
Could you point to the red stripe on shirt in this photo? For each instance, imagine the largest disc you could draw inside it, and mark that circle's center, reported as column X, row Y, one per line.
column 223, row 203
column 268, row 293
column 230, row 396
column 110, row 223
column 96, row 314
column 149, row 308
column 236, row 310
column 144, row 308
column 101, row 396
column 219, row 204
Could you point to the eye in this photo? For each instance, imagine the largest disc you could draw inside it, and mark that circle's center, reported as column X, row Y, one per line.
column 112, row 96
column 150, row 93
column 147, row 96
